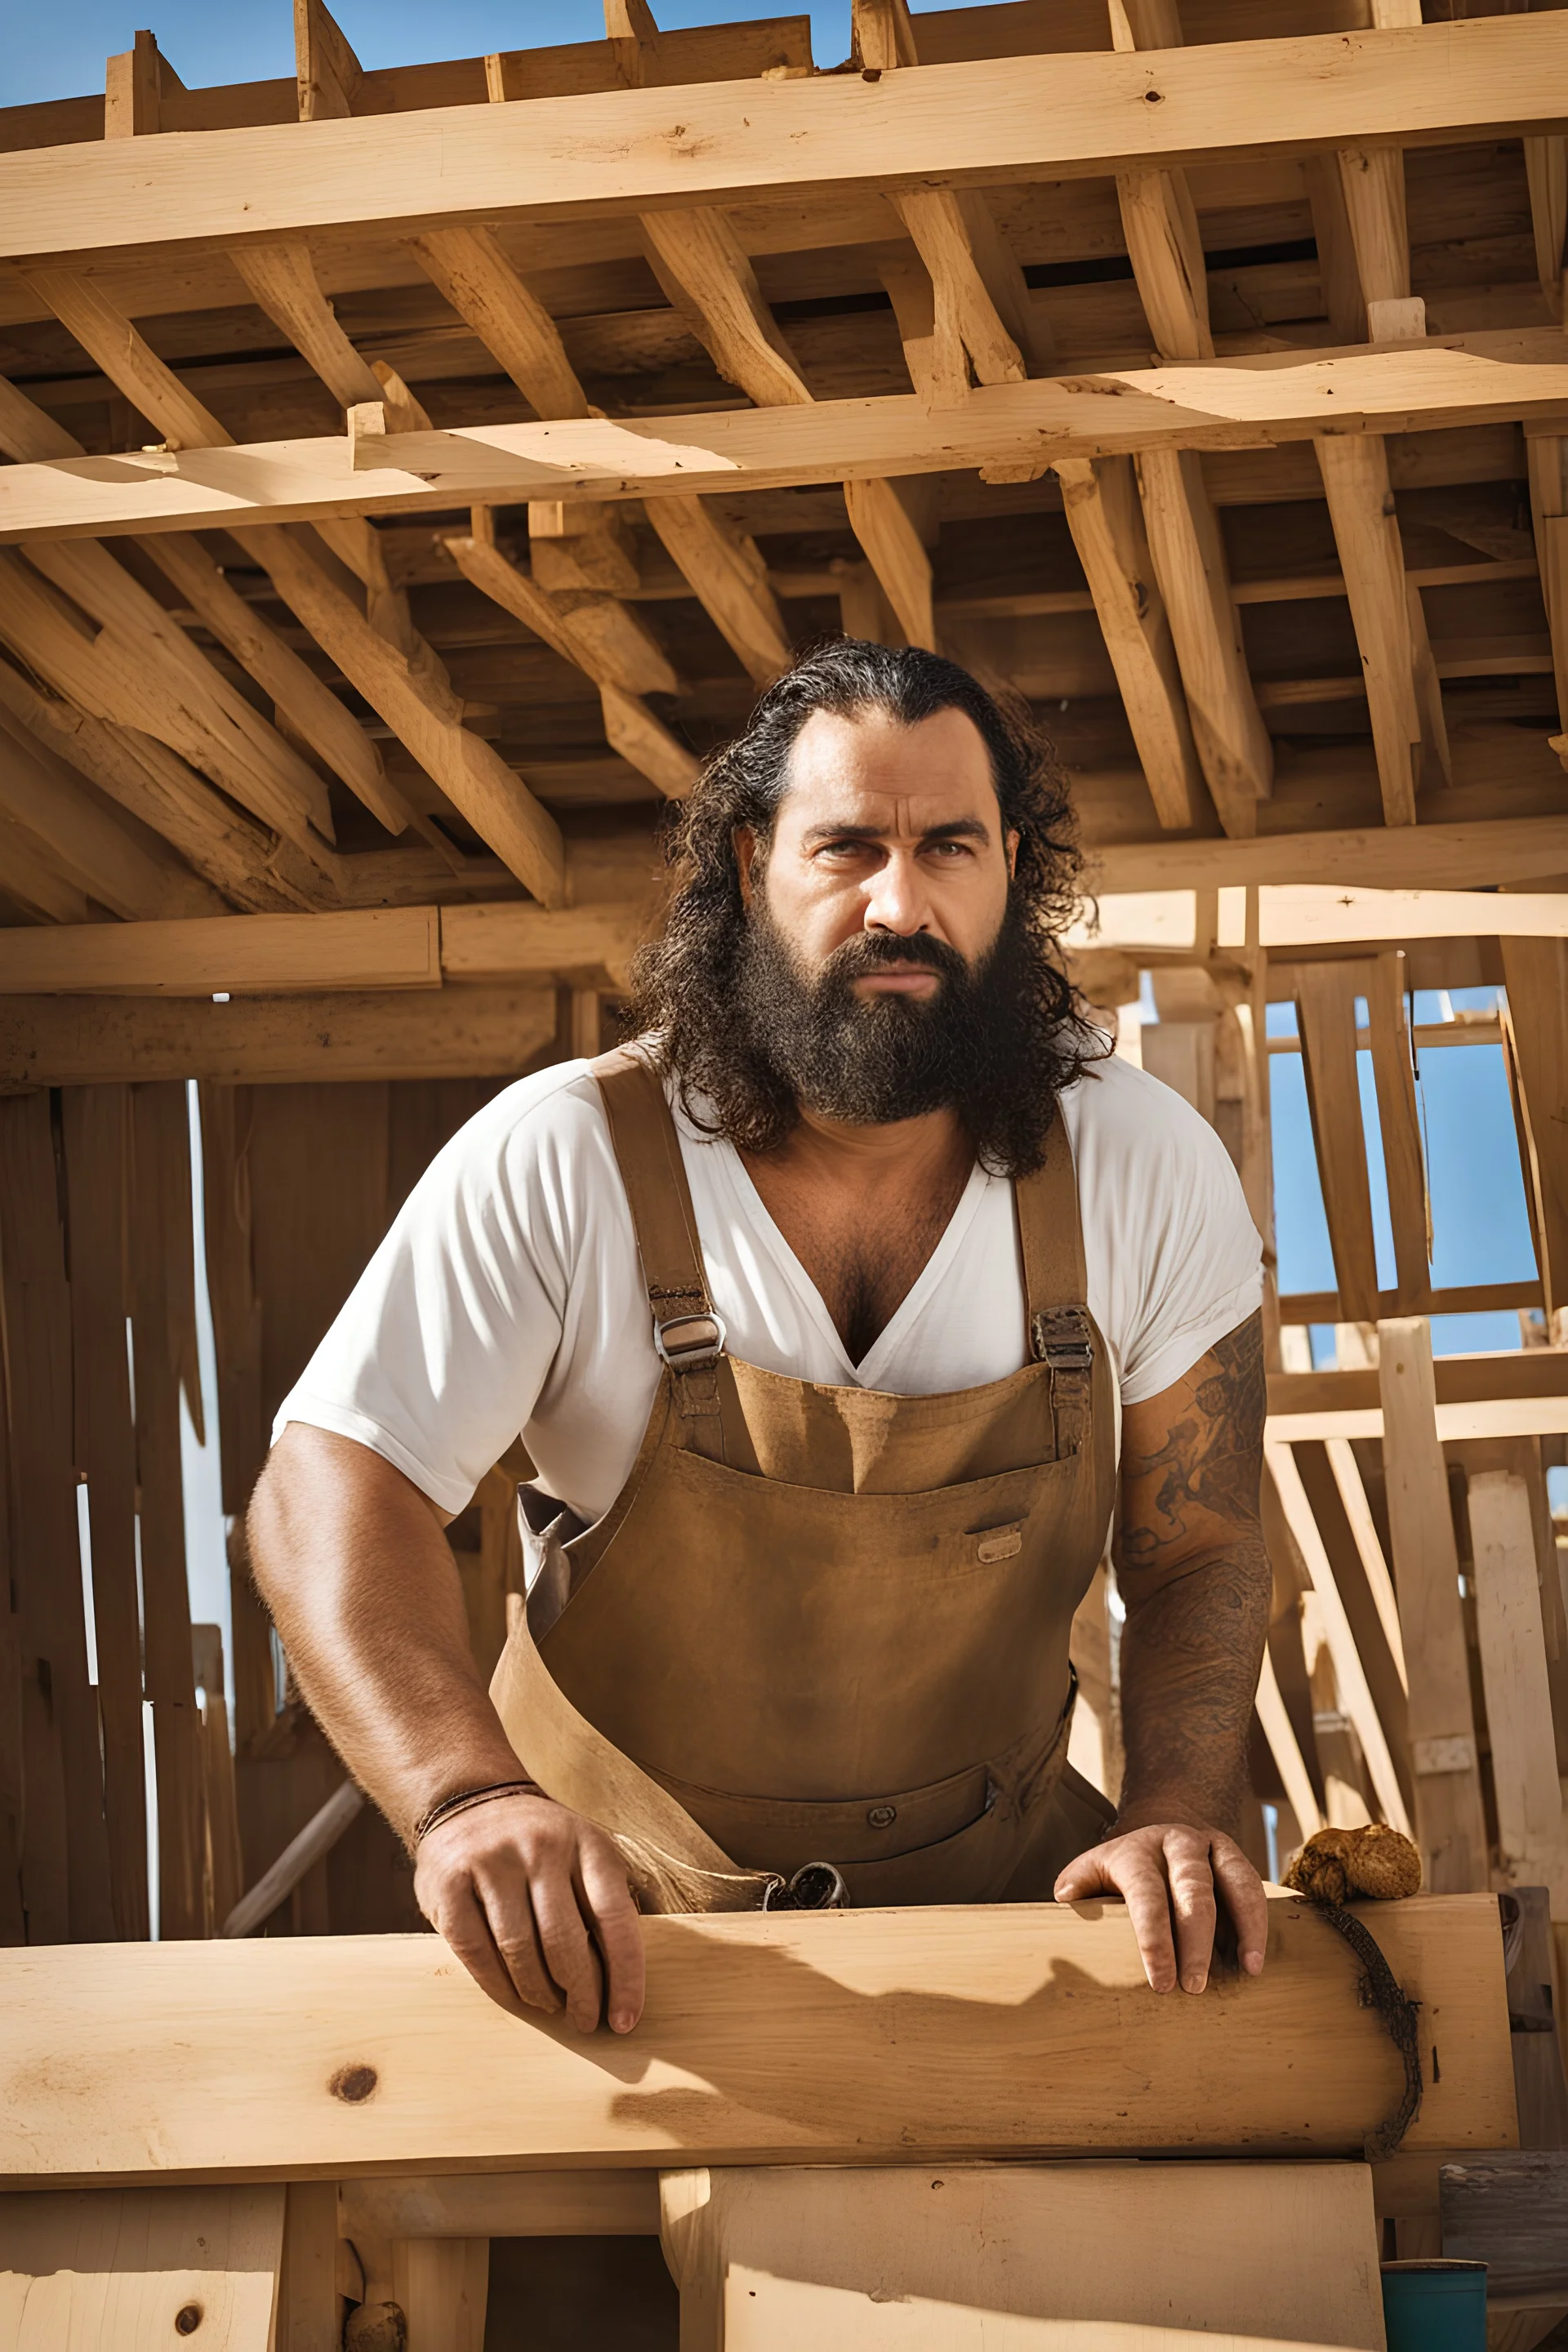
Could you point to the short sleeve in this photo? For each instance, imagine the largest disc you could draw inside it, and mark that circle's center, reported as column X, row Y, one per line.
column 438, row 1356
column 1174, row 1258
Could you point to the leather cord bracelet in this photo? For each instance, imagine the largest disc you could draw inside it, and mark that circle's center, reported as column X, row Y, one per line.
column 462, row 1799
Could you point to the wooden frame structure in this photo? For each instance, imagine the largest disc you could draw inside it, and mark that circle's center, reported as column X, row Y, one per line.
column 413, row 473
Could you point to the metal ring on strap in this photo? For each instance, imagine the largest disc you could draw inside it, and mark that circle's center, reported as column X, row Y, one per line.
column 687, row 1342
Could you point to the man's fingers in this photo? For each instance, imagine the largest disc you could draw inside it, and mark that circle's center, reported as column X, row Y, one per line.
column 1142, row 1882
column 617, row 1931
column 1191, row 1904
column 1245, row 1900
column 467, row 1930
column 1083, row 1877
column 570, row 1957
column 508, row 1905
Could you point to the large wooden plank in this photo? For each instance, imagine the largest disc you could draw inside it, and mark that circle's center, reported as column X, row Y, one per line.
column 1465, row 856
column 1026, row 2256
column 853, row 2036
column 384, row 946
column 629, row 151
column 1236, row 405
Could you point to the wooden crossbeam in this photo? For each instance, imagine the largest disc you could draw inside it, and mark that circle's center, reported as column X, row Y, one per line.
column 449, row 1033
column 88, row 839
column 1468, row 380
column 1080, row 115
column 1159, row 219
column 1325, row 1000
column 1462, row 857
column 789, row 2037
column 1536, row 1030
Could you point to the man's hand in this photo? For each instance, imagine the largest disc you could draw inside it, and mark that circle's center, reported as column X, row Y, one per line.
column 532, row 1899
column 1168, row 1873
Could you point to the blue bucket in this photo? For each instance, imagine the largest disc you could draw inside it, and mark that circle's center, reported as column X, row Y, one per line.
column 1435, row 2307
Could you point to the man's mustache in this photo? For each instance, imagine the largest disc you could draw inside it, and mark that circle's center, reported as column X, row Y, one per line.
column 870, row 952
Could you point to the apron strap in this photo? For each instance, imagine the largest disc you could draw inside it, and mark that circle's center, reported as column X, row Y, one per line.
column 1056, row 1284
column 688, row 1333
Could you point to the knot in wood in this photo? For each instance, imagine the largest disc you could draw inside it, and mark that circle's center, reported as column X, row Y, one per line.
column 353, row 2083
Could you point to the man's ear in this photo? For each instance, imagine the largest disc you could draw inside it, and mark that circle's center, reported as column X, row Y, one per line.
column 1012, row 845
column 745, row 842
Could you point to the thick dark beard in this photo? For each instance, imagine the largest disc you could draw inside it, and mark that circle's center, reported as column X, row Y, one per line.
column 871, row 1061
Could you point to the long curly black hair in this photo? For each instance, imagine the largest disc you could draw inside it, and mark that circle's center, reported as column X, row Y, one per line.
column 688, row 999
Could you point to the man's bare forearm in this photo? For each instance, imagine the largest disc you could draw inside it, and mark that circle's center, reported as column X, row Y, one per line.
column 1190, row 1659
column 1195, row 1579
column 351, row 1558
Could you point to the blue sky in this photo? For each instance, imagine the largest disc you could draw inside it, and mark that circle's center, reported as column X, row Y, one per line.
column 59, row 52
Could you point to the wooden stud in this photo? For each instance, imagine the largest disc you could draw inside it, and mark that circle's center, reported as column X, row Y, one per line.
column 310, row 2317
column 881, row 522
column 882, row 35
column 65, row 1847
column 1536, row 1032
column 1373, row 179
column 1344, row 306
column 326, row 67
column 223, row 1873
column 135, row 84
column 1404, row 1162
column 1508, row 1626
column 95, row 1136
column 163, row 1347
column 1391, row 630
column 1549, row 511
column 706, row 274
column 1450, row 1826
column 646, row 744
column 1106, row 522
column 1189, row 559
column 934, row 350
column 1325, row 999
column 979, row 285
column 1546, row 169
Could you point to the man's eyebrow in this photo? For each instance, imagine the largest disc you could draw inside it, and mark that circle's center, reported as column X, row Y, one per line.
column 958, row 828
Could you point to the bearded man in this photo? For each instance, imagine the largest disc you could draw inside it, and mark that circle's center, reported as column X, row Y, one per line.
column 839, row 1316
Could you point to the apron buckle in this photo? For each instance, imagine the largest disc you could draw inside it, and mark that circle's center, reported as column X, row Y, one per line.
column 1060, row 1337
column 816, row 1886
column 688, row 1342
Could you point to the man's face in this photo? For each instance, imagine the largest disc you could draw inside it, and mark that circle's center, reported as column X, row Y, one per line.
column 876, row 969
column 889, row 831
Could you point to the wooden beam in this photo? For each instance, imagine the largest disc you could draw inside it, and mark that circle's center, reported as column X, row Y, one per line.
column 449, row 1033
column 475, row 778
column 1404, row 1162
column 237, row 954
column 327, row 72
column 1451, row 1825
column 469, row 270
column 157, row 787
column 138, row 667
column 1216, row 407
column 1513, row 1641
column 706, row 273
column 1468, row 856
column 1529, row 1373
column 502, row 2205
column 787, row 2038
column 729, row 578
column 315, row 711
column 995, row 123
column 281, row 279
column 933, row 352
column 1507, row 2211
column 1188, row 552
column 1325, row 1000
column 979, row 288
column 1372, row 179
column 1536, row 1030
column 881, row 522
column 128, row 871
column 135, row 84
column 1390, row 624
column 1159, row 219
column 1106, row 520
column 1546, row 169
column 1549, row 512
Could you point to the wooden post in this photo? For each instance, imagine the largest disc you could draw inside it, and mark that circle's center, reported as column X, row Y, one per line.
column 1513, row 1669
column 1450, row 1824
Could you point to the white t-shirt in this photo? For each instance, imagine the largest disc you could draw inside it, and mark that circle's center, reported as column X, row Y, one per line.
column 507, row 1297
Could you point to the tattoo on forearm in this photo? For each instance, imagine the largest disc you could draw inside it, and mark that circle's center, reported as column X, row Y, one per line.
column 1196, row 1579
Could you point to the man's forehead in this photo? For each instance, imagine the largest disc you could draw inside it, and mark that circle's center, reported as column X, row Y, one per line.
column 870, row 773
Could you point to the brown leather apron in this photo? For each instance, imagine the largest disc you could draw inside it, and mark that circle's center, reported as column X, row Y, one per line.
column 824, row 1624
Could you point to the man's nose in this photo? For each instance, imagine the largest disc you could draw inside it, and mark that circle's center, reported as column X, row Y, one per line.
column 896, row 900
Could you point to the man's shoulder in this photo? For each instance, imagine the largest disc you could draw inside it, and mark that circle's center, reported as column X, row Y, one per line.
column 1116, row 1110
